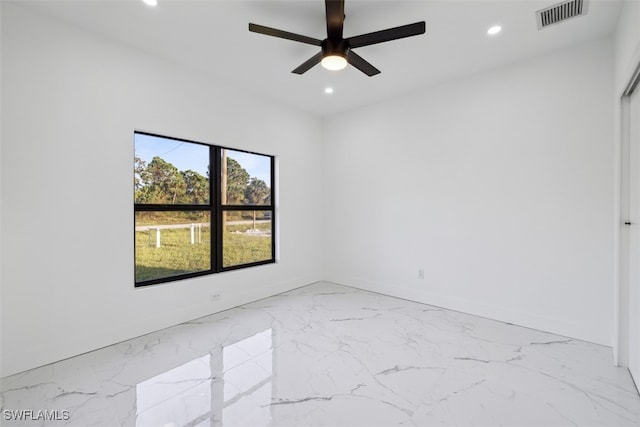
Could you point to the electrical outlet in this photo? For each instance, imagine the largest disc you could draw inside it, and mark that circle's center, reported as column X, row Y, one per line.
column 215, row 297
column 421, row 273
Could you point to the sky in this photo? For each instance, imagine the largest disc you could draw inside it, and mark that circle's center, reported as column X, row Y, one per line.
column 184, row 156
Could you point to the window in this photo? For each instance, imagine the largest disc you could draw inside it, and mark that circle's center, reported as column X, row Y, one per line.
column 199, row 209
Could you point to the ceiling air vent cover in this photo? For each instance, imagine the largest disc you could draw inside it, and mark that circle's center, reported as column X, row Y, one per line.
column 561, row 12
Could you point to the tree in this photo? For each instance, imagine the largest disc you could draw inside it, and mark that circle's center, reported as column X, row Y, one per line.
column 139, row 166
column 162, row 183
column 197, row 188
column 237, row 181
column 257, row 193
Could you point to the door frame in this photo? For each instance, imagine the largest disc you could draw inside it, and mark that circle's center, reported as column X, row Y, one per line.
column 621, row 233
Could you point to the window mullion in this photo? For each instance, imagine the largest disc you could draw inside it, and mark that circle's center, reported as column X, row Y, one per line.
column 140, row 207
column 247, row 207
column 216, row 196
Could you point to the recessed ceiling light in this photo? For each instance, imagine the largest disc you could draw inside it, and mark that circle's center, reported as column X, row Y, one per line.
column 494, row 30
column 328, row 90
column 151, row 2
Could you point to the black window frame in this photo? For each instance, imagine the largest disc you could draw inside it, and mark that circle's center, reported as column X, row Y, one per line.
column 215, row 209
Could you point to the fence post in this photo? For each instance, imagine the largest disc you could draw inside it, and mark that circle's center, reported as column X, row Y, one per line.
column 158, row 237
column 192, row 233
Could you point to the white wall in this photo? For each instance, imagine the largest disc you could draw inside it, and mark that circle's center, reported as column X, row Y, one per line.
column 70, row 104
column 627, row 43
column 498, row 185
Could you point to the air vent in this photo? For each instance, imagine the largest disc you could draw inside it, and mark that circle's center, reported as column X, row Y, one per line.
column 560, row 12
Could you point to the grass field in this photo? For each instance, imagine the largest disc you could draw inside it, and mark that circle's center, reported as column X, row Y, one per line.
column 245, row 248
column 176, row 255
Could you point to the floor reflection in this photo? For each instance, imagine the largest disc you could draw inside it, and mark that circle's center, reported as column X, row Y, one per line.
column 229, row 386
column 247, row 373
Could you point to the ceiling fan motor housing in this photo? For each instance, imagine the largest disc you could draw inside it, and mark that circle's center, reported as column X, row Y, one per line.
column 335, row 47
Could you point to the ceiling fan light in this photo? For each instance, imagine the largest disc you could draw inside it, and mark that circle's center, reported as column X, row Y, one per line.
column 334, row 62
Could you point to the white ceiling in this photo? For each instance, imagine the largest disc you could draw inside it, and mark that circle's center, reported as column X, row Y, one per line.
column 212, row 37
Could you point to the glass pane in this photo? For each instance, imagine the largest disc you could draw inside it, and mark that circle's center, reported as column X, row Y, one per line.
column 172, row 243
column 246, row 178
column 246, row 237
column 169, row 171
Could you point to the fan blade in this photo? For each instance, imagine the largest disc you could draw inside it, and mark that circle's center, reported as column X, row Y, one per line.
column 308, row 64
column 255, row 28
column 335, row 18
column 387, row 35
column 362, row 65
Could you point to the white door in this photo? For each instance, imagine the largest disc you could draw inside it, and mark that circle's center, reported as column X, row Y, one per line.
column 634, row 235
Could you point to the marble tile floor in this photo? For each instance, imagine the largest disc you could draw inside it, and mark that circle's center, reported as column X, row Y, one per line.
column 330, row 355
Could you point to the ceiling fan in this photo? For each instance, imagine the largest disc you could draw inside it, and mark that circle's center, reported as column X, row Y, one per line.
column 336, row 50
